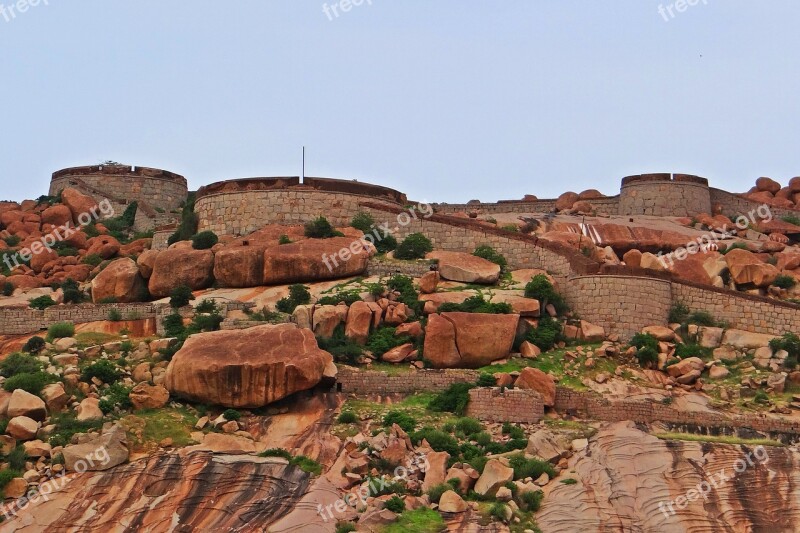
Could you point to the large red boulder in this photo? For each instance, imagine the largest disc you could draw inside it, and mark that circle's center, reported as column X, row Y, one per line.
column 566, row 201
column 78, row 204
column 239, row 266
column 535, row 379
column 57, row 215
column 466, row 268
column 247, row 368
column 315, row 260
column 119, row 281
column 747, row 269
column 105, row 246
column 468, row 340
column 768, row 185
column 177, row 266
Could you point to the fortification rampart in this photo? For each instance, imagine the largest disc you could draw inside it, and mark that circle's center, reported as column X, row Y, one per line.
column 664, row 195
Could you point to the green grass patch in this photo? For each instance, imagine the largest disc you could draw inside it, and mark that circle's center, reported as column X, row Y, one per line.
column 421, row 520
column 721, row 439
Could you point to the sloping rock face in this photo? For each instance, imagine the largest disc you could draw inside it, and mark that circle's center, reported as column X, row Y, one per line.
column 466, row 268
column 247, row 368
column 172, row 492
column 314, row 260
column 624, row 474
column 121, row 281
column 468, row 340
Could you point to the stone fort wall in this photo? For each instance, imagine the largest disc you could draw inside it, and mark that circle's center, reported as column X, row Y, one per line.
column 677, row 195
column 158, row 189
column 240, row 207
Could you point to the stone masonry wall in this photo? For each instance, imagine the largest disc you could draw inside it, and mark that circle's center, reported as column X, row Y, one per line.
column 519, row 406
column 664, row 198
column 351, row 380
column 242, row 212
column 605, row 205
column 733, row 205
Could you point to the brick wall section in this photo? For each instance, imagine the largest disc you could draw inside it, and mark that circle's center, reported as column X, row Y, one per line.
column 518, row 406
column 608, row 205
column 593, row 406
column 664, row 197
column 23, row 320
column 733, row 205
column 351, row 380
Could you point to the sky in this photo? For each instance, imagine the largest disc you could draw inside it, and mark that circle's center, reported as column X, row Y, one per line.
column 445, row 100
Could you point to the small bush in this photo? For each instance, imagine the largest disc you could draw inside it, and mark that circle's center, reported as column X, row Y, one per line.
column 701, row 318
column 72, row 292
column 18, row 363
column 16, row 459
column 347, row 417
column 207, row 306
column 642, row 340
column 678, row 313
column 348, row 297
column 477, row 304
column 298, row 295
column 454, row 399
column 435, row 493
column 41, row 303
column 34, row 345
column 205, row 240
column 498, row 510
column 231, row 415
column 115, row 396
column 415, row 246
column 284, row 239
column 60, row 330
column 404, row 420
column 531, row 501
column 540, row 288
column 345, row 527
column 173, row 325
column 791, row 344
column 383, row 339
column 682, row 351
column 532, row 468
column 395, row 504
column 489, row 253
column 761, row 397
column 469, row 426
column 385, row 244
column 792, row 219
column 439, row 440
column 276, row 452
column 180, row 296
column 784, row 282
column 92, row 260
column 320, row 228
column 13, row 240
column 104, row 370
column 647, row 357
column 307, row 465
column 734, row 246
column 486, row 380
column 8, row 289
column 29, row 382
column 547, row 334
column 114, row 315
column 363, row 221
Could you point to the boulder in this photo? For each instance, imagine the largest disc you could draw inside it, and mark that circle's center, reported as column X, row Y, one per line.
column 436, row 469
column 247, row 368
column 529, row 350
column 105, row 246
column 767, row 185
column 176, row 267
column 566, row 201
column 315, row 260
column 686, row 366
column 718, row 372
column 661, row 333
column 98, row 452
column 466, row 268
column 359, row 321
column 468, row 340
column 57, row 215
column 451, row 502
column 89, row 409
column 145, row 396
column 428, row 282
column 747, row 269
column 398, row 354
column 591, row 332
column 119, row 281
column 495, row 475
column 239, row 266
column 326, row 319
column 23, row 403
column 535, row 379
column 745, row 339
column 632, row 258
column 43, row 258
column 709, row 337
column 146, row 262
column 55, row 397
column 78, row 203
column 22, row 427
column 546, row 445
column 777, row 382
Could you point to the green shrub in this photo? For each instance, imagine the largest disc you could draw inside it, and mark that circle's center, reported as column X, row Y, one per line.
column 231, row 415
column 701, row 318
column 363, row 221
column 173, row 325
column 490, row 254
column 67, row 426
column 438, row 440
column 13, row 240
column 569, row 481
column 320, row 228
column 284, row 239
column 64, row 250
column 8, row 289
column 345, row 527
column 540, row 288
column 454, row 399
column 19, row 363
column 482, row 439
column 678, row 313
column 791, row 344
column 60, row 330
column 6, row 476
column 32, row 382
column 385, row 244
column 72, row 292
column 404, row 420
column 761, row 397
column 469, row 426
column 117, row 395
column 205, row 240
column 92, row 260
column 408, row 294
column 276, row 452
column 532, row 468
column 498, row 510
column 486, row 380
column 395, row 504
column 16, row 458
column 342, row 349
column 415, row 246
column 189, row 221
column 347, row 417
column 307, row 465
column 547, row 334
column 41, row 303
column 348, row 297
column 114, row 315
column 477, row 304
column 531, row 501
column 682, row 351
column 734, row 246
column 435, row 493
column 792, row 219
column 180, row 296
column 641, row 340
column 784, row 282
column 298, row 295
column 104, row 370
column 383, row 339
column 647, row 357
column 207, row 306
column 34, row 345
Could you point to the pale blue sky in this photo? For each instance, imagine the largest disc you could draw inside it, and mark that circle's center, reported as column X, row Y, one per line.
column 446, row 100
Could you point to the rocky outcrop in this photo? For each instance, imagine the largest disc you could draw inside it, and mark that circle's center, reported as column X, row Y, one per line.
column 78, row 203
column 314, row 260
column 239, row 266
column 247, row 368
column 466, row 268
column 176, row 267
column 120, row 281
column 468, row 340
